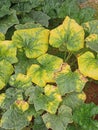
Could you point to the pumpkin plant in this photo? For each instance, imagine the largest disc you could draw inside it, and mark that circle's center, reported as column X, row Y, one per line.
column 42, row 89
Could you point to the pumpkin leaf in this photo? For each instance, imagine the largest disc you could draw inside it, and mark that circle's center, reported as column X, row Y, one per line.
column 8, row 21
column 33, row 41
column 8, row 51
column 88, row 65
column 69, row 81
column 12, row 117
column 84, row 116
column 40, row 17
column 91, row 27
column 2, row 37
column 92, row 42
column 9, row 98
column 68, row 34
column 44, row 72
column 20, row 81
column 74, row 100
column 59, row 121
column 39, row 124
column 6, row 69
column 48, row 101
column 23, row 63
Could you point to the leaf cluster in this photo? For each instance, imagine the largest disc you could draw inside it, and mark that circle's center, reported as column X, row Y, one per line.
column 22, row 14
column 43, row 89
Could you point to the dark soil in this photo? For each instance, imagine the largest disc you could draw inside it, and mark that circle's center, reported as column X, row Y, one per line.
column 91, row 91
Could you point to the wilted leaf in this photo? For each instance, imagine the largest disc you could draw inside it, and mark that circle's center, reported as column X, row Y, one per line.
column 21, row 105
column 33, row 41
column 59, row 121
column 44, row 71
column 8, row 51
column 48, row 101
column 88, row 65
column 68, row 34
column 69, row 81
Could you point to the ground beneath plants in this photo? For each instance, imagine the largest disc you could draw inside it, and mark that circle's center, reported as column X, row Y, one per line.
column 91, row 91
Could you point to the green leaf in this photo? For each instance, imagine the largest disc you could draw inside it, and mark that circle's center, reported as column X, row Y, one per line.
column 10, row 97
column 8, row 51
column 74, row 100
column 91, row 27
column 20, row 81
column 68, row 8
column 8, row 21
column 14, row 119
column 23, row 63
column 44, row 72
column 39, row 124
column 59, row 121
column 84, row 116
column 2, row 37
column 68, row 34
column 70, row 81
column 40, row 17
column 92, row 42
column 4, row 7
column 25, row 6
column 88, row 65
column 86, row 14
column 50, row 7
column 27, row 25
column 33, row 41
column 48, row 101
column 6, row 69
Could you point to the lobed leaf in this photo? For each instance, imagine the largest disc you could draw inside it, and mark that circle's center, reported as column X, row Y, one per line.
column 59, row 121
column 48, row 101
column 68, row 34
column 84, row 116
column 6, row 69
column 33, row 41
column 74, row 100
column 12, row 117
column 91, row 27
column 88, row 65
column 8, row 51
column 92, row 42
column 69, row 81
column 44, row 72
